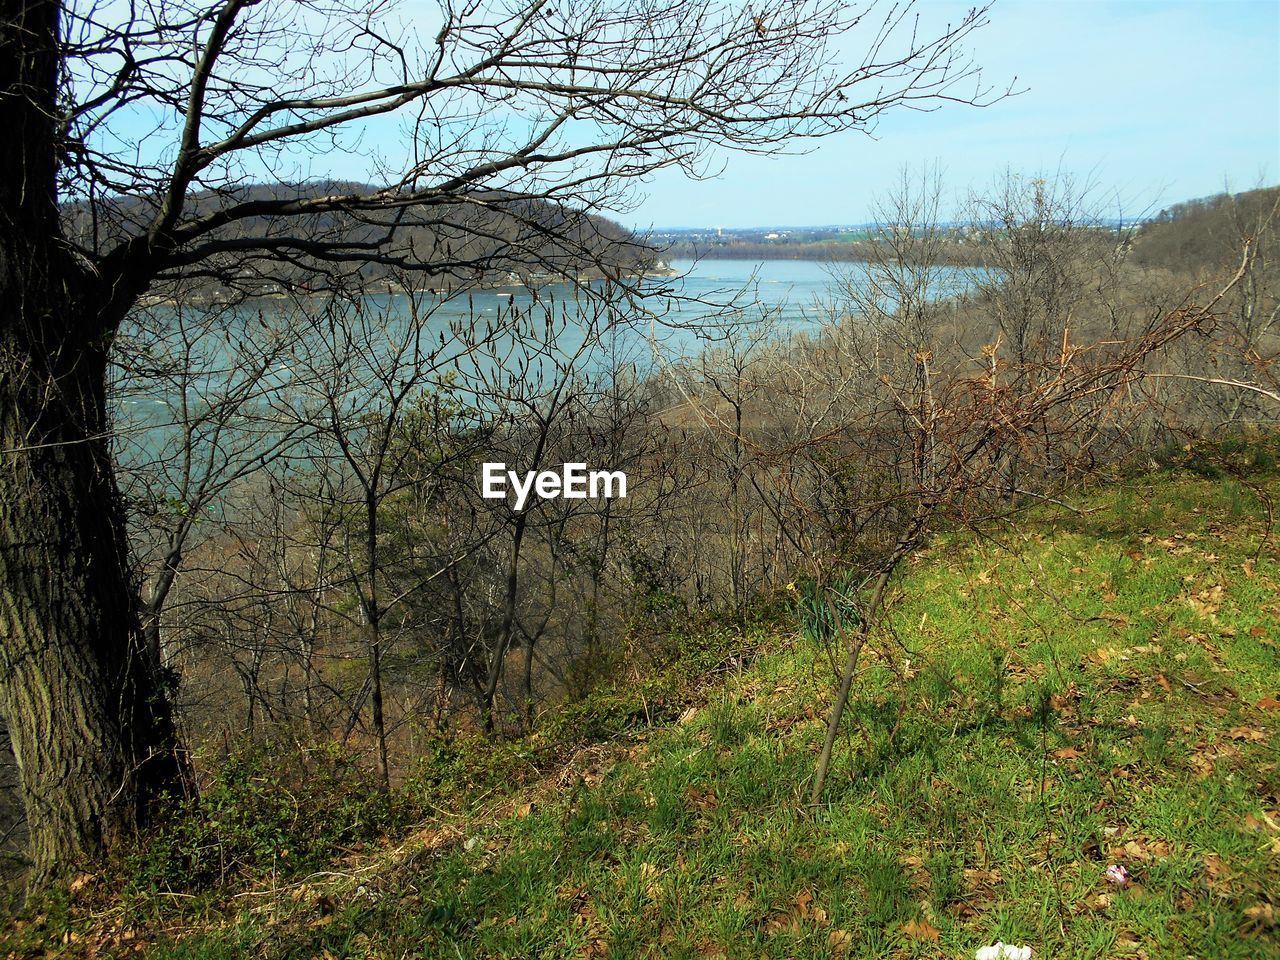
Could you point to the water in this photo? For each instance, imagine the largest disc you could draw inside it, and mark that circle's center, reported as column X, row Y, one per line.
column 797, row 292
column 483, row 344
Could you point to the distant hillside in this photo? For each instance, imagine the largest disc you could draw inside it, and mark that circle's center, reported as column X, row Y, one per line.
column 1191, row 236
column 481, row 238
column 1206, row 233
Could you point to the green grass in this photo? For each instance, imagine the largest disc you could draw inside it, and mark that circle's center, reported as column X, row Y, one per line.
column 1080, row 691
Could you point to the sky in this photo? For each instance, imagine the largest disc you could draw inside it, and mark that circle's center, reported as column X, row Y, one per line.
column 1150, row 102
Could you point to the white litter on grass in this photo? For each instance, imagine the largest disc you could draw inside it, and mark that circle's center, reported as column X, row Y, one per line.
column 1003, row 951
column 1117, row 874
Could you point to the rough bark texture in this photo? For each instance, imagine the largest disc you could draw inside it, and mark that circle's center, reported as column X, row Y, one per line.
column 84, row 700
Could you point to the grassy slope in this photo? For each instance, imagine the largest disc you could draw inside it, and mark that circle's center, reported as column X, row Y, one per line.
column 1085, row 692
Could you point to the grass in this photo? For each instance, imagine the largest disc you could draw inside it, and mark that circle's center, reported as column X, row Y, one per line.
column 1089, row 689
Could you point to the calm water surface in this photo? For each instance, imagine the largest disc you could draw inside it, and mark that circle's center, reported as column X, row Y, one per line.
column 689, row 312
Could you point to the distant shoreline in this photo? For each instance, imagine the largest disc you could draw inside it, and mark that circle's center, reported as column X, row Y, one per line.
column 953, row 255
column 486, row 286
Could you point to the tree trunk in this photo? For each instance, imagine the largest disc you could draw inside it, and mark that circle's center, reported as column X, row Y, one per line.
column 82, row 692
column 373, row 621
column 867, row 622
column 84, row 699
column 498, row 657
column 379, row 721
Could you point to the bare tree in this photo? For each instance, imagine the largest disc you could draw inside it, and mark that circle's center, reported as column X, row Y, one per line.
column 724, row 389
column 134, row 129
column 194, row 395
column 1233, row 372
column 975, row 421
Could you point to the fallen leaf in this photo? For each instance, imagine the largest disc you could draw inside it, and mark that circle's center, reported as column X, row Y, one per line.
column 921, row 930
column 839, row 942
column 1136, row 850
column 701, row 799
column 1263, row 914
column 1268, row 703
column 1216, row 872
column 1126, row 941
column 1068, row 753
column 80, row 882
column 1251, row 734
column 779, row 922
column 1207, row 603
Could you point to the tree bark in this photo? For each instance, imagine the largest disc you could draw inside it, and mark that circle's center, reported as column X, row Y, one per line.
column 84, row 699
column 83, row 695
column 867, row 622
column 498, row 657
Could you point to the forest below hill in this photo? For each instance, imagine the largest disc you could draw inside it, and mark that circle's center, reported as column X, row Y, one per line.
column 480, row 239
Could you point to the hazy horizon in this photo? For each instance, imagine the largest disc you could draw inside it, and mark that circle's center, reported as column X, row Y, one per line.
column 1152, row 103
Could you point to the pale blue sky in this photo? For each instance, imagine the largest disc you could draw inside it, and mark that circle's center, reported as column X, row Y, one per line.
column 1152, row 102
column 1155, row 102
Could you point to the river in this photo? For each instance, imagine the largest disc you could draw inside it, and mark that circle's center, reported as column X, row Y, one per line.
column 688, row 312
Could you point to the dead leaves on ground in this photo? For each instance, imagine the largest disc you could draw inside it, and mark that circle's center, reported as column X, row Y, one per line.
column 839, row 942
column 921, row 930
column 792, row 917
column 1207, row 602
column 1262, row 915
column 701, row 798
column 1139, row 849
column 1203, row 758
column 804, row 912
column 1247, row 734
